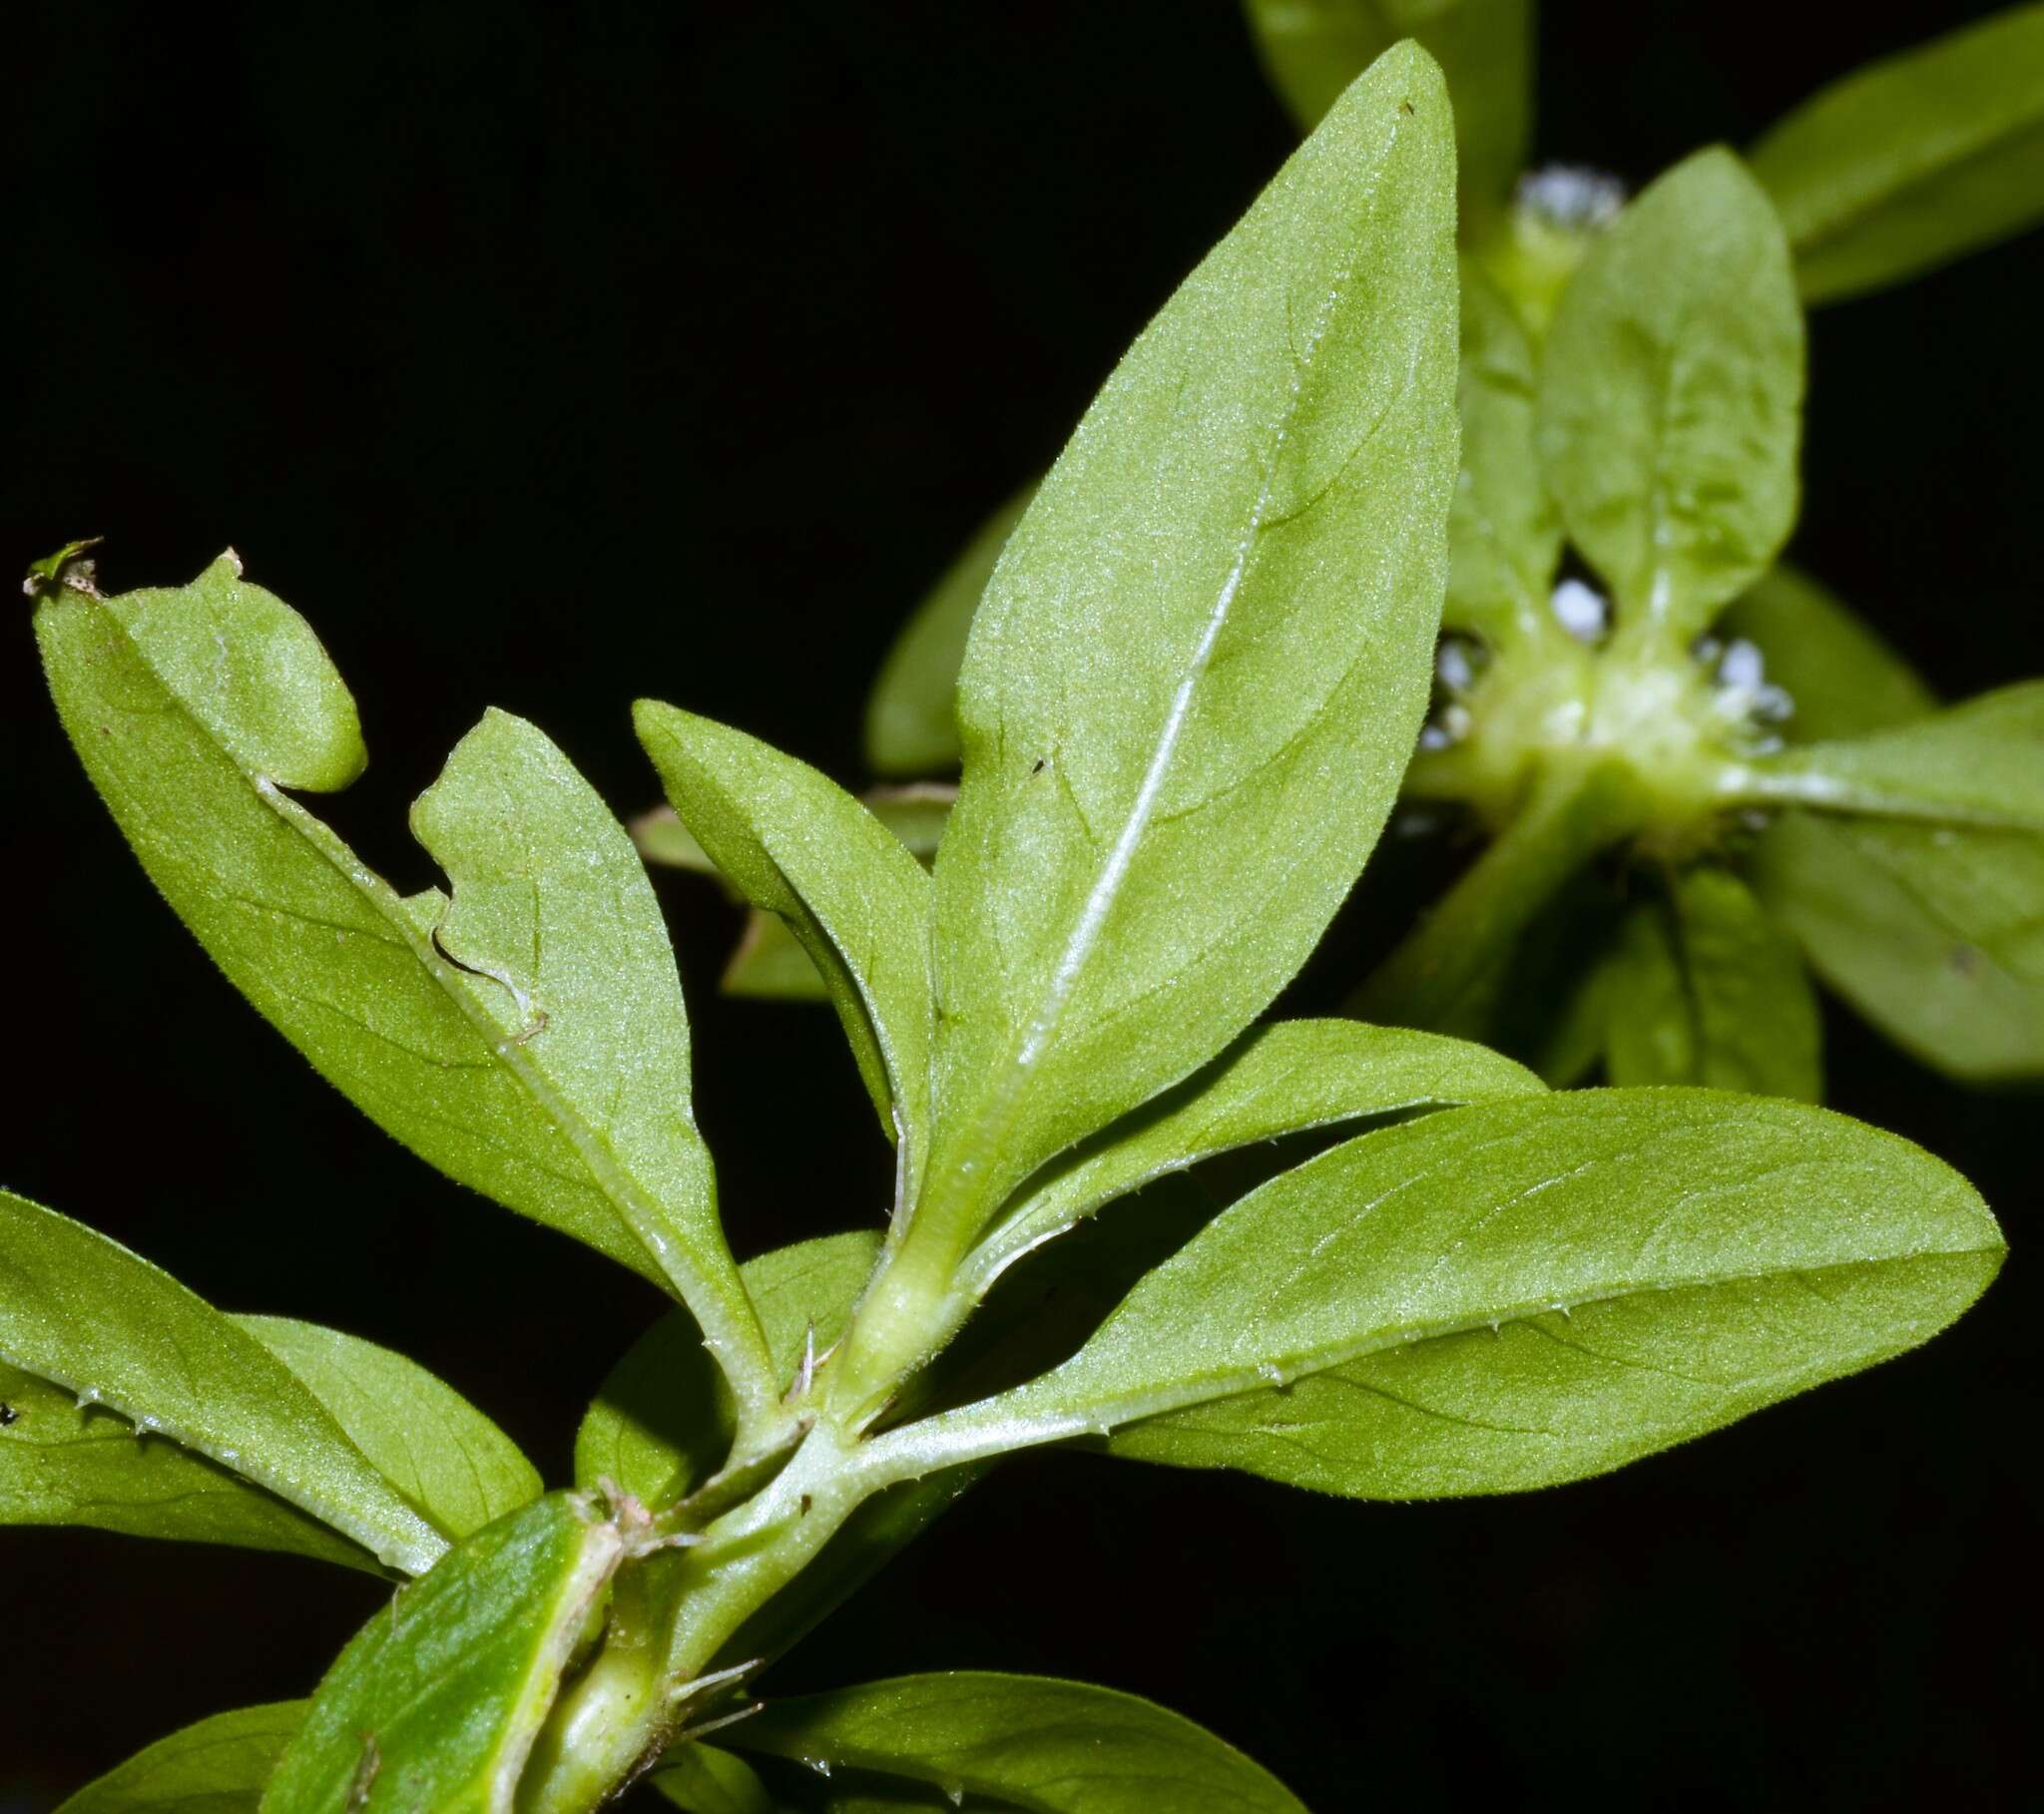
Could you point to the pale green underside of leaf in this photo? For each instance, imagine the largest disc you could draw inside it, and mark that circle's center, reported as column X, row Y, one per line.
column 658, row 1427
column 1504, row 534
column 218, row 1766
column 83, row 1313
column 1670, row 395
column 1195, row 680
column 1843, row 679
column 1279, row 1079
column 1027, row 1742
column 1680, row 1258
column 435, row 1702
column 429, row 1441
column 1914, row 160
column 528, row 1037
column 1312, row 49
column 798, row 846
column 1978, row 763
column 913, row 712
column 1934, row 932
column 64, row 1464
column 1706, row 989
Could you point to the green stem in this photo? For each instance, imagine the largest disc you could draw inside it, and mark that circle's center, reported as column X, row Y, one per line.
column 672, row 1613
column 1436, row 978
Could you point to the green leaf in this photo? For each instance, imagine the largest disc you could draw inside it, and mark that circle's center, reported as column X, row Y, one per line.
column 63, row 1463
column 1504, row 536
column 1272, row 1081
column 1670, row 395
column 703, row 1780
column 218, row 1766
column 1052, row 1747
column 1312, row 49
column 1513, row 1294
column 1914, row 161
column 915, row 812
column 1843, row 679
column 485, row 1034
column 1210, row 638
column 1979, row 763
column 436, row 1701
column 658, row 1427
column 913, row 712
column 84, row 1313
column 1706, row 989
column 797, row 845
column 1933, row 932
column 429, row 1441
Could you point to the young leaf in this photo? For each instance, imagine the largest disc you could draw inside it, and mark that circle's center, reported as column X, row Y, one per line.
column 1275, row 1081
column 1704, row 989
column 86, row 1315
column 429, row 1441
column 1666, row 1261
column 1930, row 931
column 1505, row 537
column 436, row 1701
column 63, row 1463
column 798, row 846
column 700, row 1779
column 1210, row 638
column 1844, row 679
column 658, row 1427
column 1914, row 161
column 1025, row 1741
column 913, row 714
column 218, row 1766
column 1980, row 764
column 1670, row 395
column 1312, row 49
column 484, row 1033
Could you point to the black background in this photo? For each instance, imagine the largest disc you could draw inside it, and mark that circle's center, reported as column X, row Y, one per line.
column 547, row 356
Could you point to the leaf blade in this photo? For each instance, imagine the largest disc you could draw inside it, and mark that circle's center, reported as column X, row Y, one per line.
column 1052, row 1747
column 798, row 846
column 1312, row 49
column 218, row 1766
column 62, row 1463
column 1914, row 160
column 911, row 713
column 1426, row 1233
column 436, row 1701
column 1708, row 990
column 1278, row 634
column 1930, row 931
column 422, row 1436
column 1670, row 395
column 1284, row 1079
column 188, row 755
column 84, row 1313
column 1504, row 533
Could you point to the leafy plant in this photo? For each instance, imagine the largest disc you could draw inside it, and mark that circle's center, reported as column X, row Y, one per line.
column 1702, row 777
column 1187, row 706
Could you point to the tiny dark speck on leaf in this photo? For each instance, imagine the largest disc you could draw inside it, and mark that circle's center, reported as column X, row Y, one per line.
column 808, row 1502
column 8, row 1415
column 1407, row 106
column 1036, row 767
column 1965, row 960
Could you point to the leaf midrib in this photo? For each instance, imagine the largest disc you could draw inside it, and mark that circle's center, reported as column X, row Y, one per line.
column 957, row 1429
